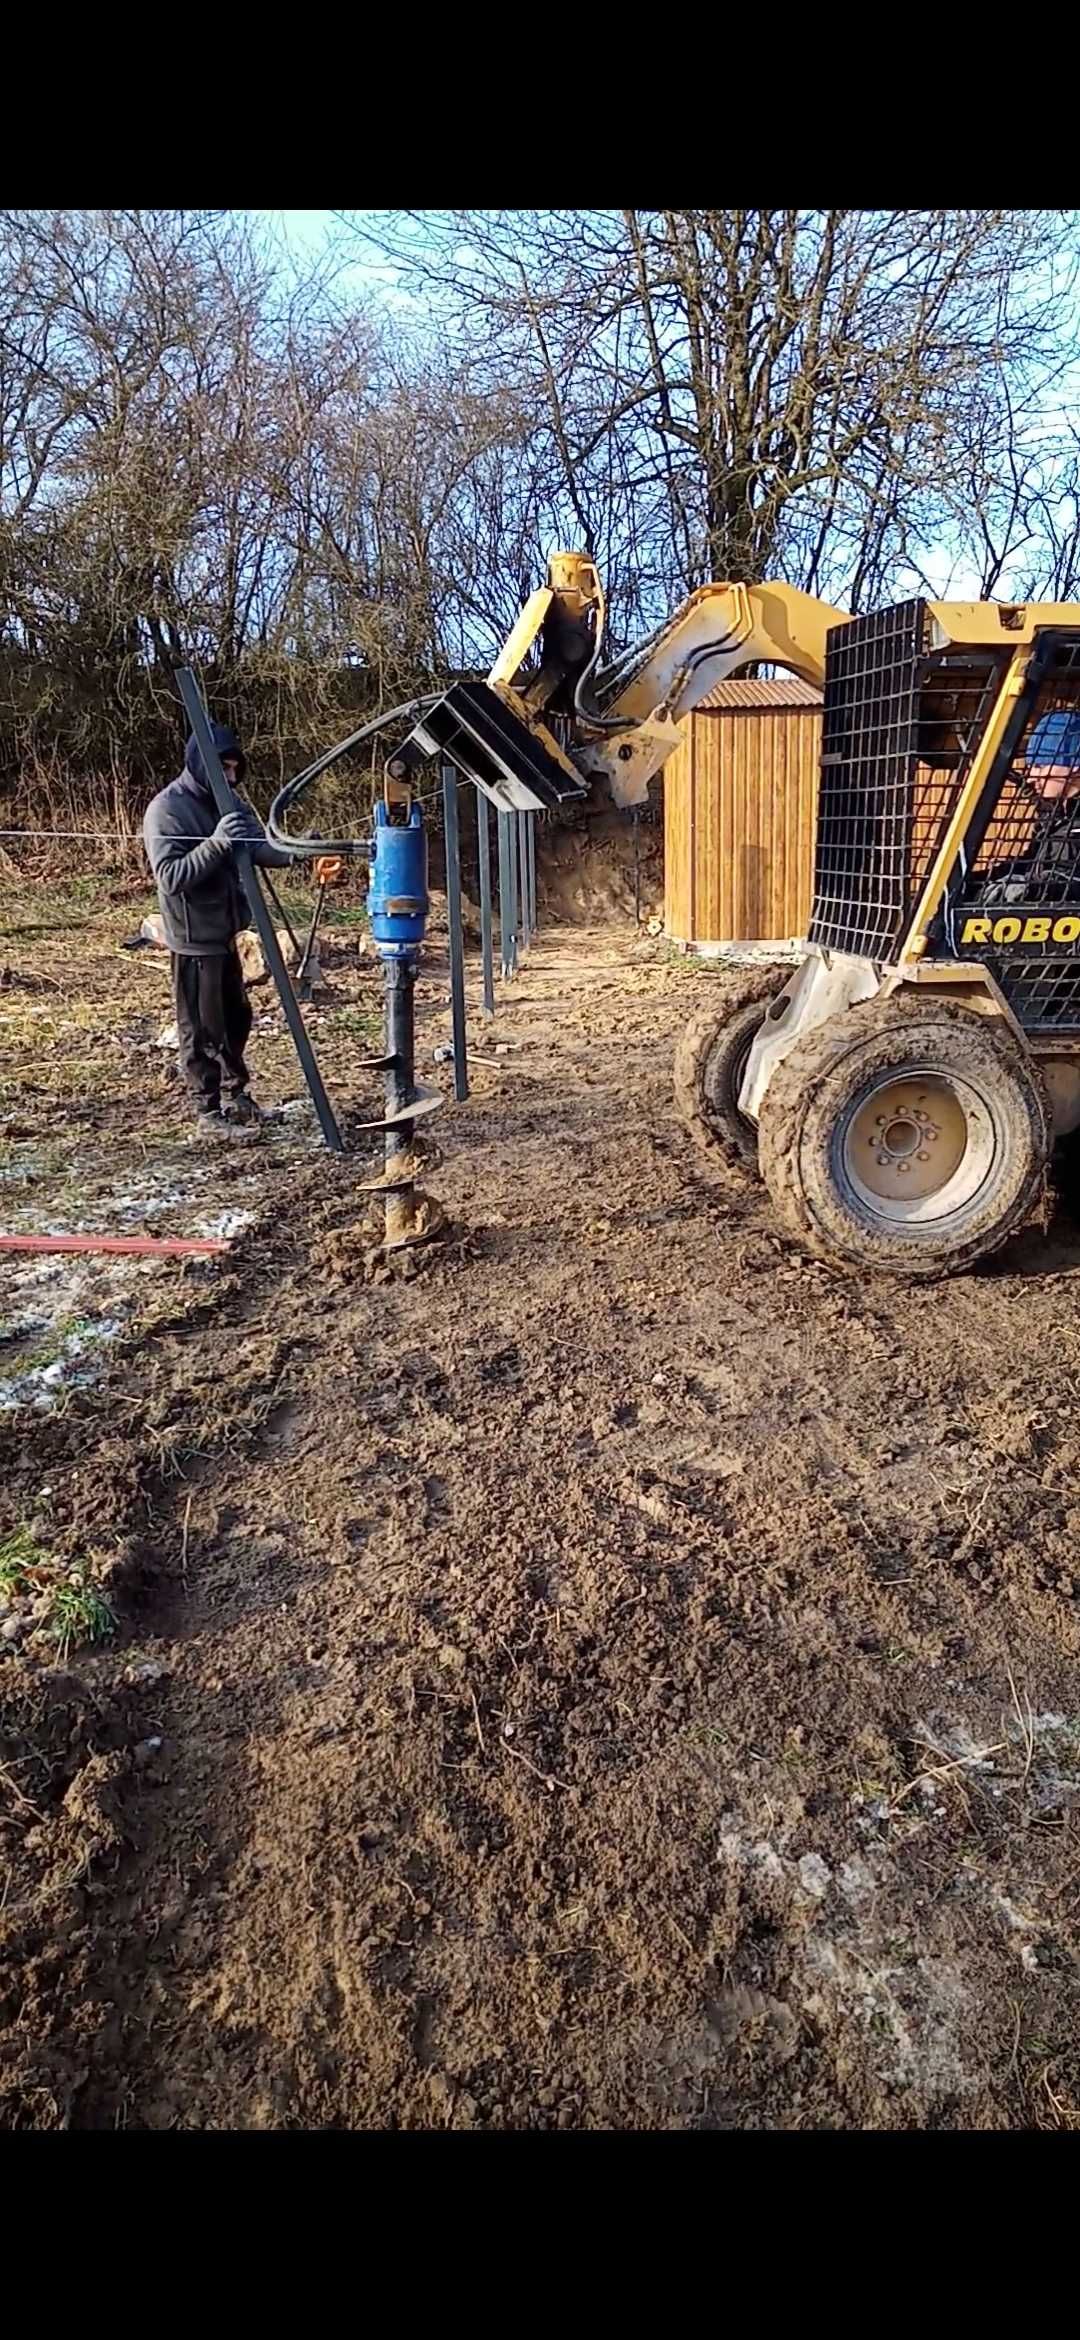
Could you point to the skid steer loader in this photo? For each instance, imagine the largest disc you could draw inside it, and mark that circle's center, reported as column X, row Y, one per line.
column 902, row 1090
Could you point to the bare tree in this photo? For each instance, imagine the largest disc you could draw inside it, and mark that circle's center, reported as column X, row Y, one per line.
column 729, row 393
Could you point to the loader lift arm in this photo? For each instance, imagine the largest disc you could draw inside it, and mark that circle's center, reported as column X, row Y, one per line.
column 543, row 738
column 624, row 720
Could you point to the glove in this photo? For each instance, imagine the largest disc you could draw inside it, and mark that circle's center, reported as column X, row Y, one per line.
column 232, row 829
column 328, row 868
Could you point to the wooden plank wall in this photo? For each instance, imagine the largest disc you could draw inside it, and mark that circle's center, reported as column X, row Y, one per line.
column 740, row 794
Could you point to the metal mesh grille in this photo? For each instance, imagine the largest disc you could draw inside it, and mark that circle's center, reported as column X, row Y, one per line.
column 898, row 731
column 867, row 770
column 1026, row 872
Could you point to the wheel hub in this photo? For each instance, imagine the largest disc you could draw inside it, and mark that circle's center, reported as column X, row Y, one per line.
column 906, row 1141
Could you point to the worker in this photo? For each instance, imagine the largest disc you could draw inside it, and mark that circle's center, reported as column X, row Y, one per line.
column 191, row 849
column 1049, row 869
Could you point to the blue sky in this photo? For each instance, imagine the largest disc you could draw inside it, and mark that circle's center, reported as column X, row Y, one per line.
column 306, row 234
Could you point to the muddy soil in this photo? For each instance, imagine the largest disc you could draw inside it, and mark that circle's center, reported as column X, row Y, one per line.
column 616, row 1675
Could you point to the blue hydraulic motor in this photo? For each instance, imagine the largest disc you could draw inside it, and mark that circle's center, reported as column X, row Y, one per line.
column 398, row 906
column 398, row 894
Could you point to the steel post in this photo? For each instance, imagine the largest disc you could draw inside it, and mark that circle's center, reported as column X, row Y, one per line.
column 523, row 876
column 452, row 844
column 512, row 888
column 483, row 850
column 399, row 977
column 533, row 817
column 506, row 896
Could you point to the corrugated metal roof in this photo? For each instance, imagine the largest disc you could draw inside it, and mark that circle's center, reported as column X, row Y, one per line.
column 746, row 692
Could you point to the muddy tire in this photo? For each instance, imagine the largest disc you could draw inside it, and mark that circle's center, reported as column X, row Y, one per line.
column 905, row 1135
column 709, row 1064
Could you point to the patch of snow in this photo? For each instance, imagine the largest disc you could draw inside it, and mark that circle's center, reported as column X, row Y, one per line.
column 224, row 1225
column 921, row 2039
column 855, row 1880
column 40, row 1385
column 815, row 1876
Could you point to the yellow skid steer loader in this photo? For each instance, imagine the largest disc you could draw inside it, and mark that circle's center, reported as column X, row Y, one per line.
column 901, row 1091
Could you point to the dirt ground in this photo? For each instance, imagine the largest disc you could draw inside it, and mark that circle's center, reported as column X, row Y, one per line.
column 619, row 1675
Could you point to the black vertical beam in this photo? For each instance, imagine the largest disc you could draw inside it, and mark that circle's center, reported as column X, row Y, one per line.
column 507, row 893
column 483, row 851
column 533, row 819
column 226, row 802
column 457, row 939
column 501, row 825
column 399, row 1089
column 523, row 875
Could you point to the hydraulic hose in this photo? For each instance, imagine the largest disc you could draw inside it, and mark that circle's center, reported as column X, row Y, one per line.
column 304, row 847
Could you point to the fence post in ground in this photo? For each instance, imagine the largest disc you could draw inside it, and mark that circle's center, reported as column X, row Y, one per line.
column 457, row 938
column 507, row 913
column 506, row 941
column 483, row 852
column 523, row 875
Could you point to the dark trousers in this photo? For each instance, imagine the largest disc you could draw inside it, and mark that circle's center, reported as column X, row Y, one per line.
column 213, row 1019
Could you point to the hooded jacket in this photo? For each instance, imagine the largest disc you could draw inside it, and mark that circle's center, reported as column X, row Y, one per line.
column 203, row 904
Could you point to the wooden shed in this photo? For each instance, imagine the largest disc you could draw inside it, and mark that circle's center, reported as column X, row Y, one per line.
column 739, row 802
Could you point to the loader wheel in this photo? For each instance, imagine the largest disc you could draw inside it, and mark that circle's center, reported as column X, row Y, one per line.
column 905, row 1135
column 710, row 1061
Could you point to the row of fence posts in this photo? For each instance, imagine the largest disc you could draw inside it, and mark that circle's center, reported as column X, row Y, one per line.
column 516, row 842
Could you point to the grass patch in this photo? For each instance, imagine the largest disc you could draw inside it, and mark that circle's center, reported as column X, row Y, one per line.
column 55, row 1343
column 77, row 1614
column 80, row 1615
column 20, row 1555
column 345, row 914
column 358, row 1023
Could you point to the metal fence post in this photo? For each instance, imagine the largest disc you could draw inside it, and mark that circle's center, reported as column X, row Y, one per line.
column 507, row 913
column 511, row 864
column 452, row 845
column 533, row 818
column 523, row 875
column 483, row 851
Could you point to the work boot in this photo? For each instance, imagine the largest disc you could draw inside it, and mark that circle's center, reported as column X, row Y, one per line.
column 241, row 1108
column 210, row 1128
column 240, row 1117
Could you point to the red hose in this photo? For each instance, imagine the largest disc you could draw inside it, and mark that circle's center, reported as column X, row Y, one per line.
column 153, row 1244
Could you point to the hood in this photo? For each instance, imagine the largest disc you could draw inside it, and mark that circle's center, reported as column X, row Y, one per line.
column 226, row 743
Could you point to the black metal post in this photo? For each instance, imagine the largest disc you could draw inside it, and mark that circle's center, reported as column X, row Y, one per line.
column 512, row 897
column 523, row 875
column 533, row 818
column 506, row 895
column 225, row 802
column 457, row 939
column 304, row 960
column 399, row 977
column 483, row 851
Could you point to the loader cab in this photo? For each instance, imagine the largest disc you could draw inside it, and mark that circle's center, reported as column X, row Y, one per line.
column 969, row 751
